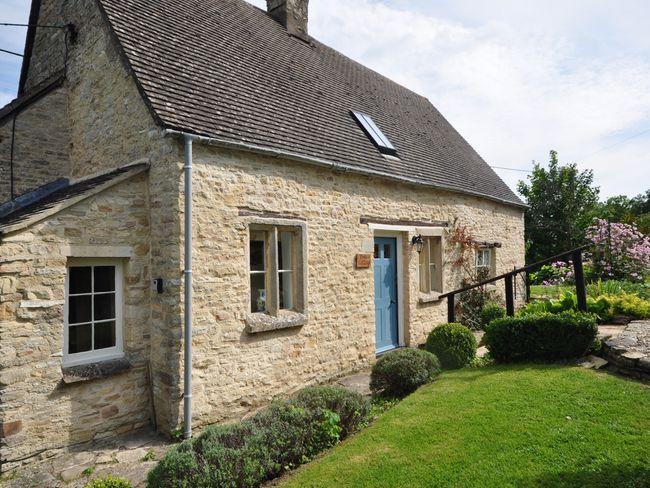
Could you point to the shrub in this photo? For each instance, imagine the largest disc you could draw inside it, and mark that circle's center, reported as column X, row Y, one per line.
column 351, row 407
column 398, row 373
column 614, row 287
column 632, row 305
column 108, row 482
column 453, row 344
column 541, row 336
column 490, row 312
column 248, row 453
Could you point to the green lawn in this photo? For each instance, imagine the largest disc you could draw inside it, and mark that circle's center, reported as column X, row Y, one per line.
column 550, row 291
column 500, row 426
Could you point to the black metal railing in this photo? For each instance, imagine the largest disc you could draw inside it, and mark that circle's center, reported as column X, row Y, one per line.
column 509, row 277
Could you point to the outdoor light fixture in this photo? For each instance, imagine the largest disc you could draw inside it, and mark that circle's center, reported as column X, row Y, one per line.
column 418, row 243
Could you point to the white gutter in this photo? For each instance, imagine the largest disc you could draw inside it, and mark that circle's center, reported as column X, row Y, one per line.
column 187, row 273
column 280, row 153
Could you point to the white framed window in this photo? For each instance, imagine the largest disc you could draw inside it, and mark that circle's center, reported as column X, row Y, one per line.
column 431, row 265
column 275, row 262
column 484, row 261
column 93, row 311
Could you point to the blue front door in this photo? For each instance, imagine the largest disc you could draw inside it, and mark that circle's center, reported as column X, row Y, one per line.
column 386, row 293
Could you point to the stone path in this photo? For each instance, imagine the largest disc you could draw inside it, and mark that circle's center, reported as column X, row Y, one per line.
column 130, row 456
column 629, row 351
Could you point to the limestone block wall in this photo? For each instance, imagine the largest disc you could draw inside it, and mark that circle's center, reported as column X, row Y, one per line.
column 235, row 372
column 40, row 415
column 109, row 122
column 41, row 145
column 48, row 54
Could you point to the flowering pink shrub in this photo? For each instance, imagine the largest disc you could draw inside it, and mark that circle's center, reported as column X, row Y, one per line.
column 621, row 251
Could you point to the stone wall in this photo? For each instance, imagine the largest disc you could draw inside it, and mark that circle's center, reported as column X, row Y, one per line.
column 40, row 415
column 110, row 126
column 236, row 372
column 41, row 145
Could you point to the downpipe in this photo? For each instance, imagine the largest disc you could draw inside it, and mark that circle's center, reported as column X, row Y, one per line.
column 187, row 274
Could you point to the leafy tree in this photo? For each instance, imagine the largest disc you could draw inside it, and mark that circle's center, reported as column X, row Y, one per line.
column 562, row 202
column 626, row 210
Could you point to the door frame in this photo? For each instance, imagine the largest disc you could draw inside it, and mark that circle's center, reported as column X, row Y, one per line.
column 399, row 258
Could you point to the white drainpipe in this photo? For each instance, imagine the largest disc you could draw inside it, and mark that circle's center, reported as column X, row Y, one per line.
column 187, row 393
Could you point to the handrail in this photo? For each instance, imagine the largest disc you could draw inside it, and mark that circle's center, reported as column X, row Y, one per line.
column 581, row 291
column 515, row 271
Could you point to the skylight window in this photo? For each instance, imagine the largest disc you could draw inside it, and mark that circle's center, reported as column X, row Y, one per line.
column 374, row 133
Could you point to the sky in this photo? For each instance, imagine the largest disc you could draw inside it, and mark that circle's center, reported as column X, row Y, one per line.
column 516, row 78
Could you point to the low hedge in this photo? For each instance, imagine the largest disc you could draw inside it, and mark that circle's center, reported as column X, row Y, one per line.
column 541, row 336
column 250, row 452
column 490, row 312
column 399, row 373
column 453, row 344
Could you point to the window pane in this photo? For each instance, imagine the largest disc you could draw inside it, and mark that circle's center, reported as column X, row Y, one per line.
column 433, row 276
column 104, row 306
column 286, row 290
column 79, row 309
column 258, row 292
column 386, row 251
column 284, row 250
column 80, row 281
column 424, row 268
column 80, row 338
column 376, row 251
column 257, row 252
column 104, row 335
column 104, row 278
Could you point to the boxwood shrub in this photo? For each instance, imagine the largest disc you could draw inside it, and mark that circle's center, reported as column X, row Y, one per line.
column 248, row 453
column 453, row 344
column 541, row 336
column 398, row 373
column 490, row 312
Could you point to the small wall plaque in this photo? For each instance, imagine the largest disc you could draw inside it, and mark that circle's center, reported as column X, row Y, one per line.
column 363, row 260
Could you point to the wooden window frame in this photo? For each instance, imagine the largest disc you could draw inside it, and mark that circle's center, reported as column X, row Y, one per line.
column 95, row 355
column 431, row 261
column 272, row 270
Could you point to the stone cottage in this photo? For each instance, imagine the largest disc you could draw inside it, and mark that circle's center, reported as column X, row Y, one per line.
column 306, row 201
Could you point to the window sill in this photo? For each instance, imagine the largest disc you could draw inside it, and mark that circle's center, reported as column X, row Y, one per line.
column 91, row 371
column 434, row 296
column 262, row 322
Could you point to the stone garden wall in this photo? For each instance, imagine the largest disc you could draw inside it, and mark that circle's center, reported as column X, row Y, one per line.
column 40, row 414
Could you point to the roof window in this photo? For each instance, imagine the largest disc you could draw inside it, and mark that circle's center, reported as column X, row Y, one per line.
column 374, row 133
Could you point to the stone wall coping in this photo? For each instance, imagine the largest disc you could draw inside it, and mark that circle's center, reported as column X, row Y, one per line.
column 91, row 371
column 429, row 297
column 262, row 322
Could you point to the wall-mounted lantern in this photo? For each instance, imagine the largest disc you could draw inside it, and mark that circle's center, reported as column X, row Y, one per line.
column 417, row 242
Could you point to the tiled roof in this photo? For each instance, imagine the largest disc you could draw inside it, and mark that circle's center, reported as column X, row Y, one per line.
column 73, row 192
column 226, row 69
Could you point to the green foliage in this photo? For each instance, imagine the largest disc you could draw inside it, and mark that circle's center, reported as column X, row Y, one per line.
column 176, row 434
column 472, row 302
column 351, row 407
column 626, row 210
column 561, row 203
column 604, row 300
column 614, row 287
column 490, row 312
column 630, row 305
column 248, row 453
column 398, row 373
column 149, row 456
column 108, row 482
column 88, row 471
column 453, row 344
column 542, row 336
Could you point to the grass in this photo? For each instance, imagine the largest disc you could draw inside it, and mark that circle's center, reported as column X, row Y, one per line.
column 549, row 291
column 500, row 426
